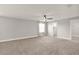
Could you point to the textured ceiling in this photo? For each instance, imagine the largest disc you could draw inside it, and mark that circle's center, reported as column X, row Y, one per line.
column 36, row 11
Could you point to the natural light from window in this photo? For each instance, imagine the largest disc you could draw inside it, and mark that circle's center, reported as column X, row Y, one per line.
column 41, row 27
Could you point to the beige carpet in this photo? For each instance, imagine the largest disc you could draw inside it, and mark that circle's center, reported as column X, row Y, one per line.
column 40, row 46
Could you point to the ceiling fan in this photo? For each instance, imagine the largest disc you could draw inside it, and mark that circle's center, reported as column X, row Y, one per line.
column 47, row 18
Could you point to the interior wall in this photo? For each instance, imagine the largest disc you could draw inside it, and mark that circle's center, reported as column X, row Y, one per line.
column 63, row 29
column 50, row 29
column 75, row 28
column 15, row 28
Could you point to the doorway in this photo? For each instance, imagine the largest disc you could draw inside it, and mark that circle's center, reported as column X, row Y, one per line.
column 52, row 29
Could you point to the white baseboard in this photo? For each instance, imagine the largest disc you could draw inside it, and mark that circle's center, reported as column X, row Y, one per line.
column 19, row 38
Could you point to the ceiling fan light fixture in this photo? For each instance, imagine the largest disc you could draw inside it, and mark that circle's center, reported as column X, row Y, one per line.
column 45, row 16
column 46, row 19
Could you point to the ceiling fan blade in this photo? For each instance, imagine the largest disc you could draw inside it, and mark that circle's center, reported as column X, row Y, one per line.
column 49, row 18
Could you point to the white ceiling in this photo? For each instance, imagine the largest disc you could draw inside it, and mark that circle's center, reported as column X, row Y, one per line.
column 36, row 11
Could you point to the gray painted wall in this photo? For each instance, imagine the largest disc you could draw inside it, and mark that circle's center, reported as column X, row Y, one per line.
column 15, row 28
column 67, row 29
column 63, row 29
column 50, row 29
column 75, row 28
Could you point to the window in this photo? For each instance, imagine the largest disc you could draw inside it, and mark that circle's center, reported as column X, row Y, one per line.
column 41, row 27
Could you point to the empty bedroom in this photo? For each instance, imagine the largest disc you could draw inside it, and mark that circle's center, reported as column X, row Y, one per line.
column 39, row 29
